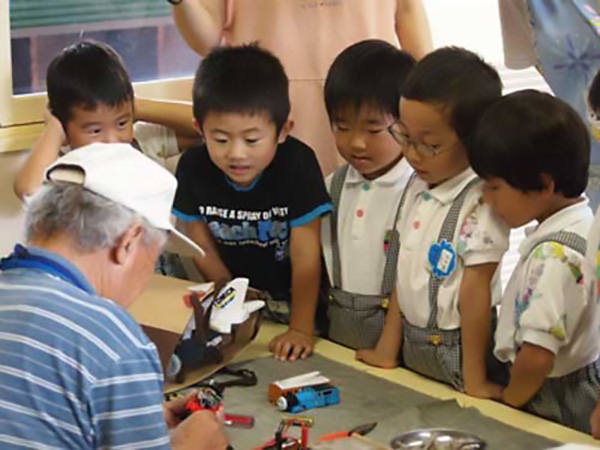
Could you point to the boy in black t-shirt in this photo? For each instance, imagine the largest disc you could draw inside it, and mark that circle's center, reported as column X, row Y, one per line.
column 253, row 195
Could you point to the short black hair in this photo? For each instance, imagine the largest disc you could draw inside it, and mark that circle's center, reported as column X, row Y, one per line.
column 529, row 133
column 86, row 74
column 458, row 81
column 242, row 79
column 594, row 94
column 369, row 73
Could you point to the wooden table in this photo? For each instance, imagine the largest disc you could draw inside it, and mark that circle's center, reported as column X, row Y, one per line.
column 164, row 290
column 510, row 416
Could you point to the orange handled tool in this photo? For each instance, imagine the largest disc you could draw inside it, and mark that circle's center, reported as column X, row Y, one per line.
column 360, row 430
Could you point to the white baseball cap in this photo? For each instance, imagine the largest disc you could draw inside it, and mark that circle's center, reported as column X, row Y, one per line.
column 121, row 173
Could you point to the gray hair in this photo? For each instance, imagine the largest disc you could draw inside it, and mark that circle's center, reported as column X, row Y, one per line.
column 93, row 222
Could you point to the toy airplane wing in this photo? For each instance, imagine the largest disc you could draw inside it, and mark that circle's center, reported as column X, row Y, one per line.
column 230, row 308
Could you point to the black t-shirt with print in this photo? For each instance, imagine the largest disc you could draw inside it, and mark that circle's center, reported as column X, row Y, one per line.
column 252, row 226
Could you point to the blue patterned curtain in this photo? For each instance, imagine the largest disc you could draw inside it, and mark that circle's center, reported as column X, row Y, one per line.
column 567, row 41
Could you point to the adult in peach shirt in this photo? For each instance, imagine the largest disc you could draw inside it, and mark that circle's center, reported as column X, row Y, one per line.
column 306, row 35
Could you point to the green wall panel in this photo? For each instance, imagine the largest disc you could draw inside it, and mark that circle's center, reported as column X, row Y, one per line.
column 50, row 13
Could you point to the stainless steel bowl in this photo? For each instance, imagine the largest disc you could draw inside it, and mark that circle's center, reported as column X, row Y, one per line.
column 437, row 439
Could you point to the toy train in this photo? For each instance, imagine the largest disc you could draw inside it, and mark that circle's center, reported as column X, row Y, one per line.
column 317, row 396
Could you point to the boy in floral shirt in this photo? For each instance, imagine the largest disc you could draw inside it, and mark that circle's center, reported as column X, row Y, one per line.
column 533, row 151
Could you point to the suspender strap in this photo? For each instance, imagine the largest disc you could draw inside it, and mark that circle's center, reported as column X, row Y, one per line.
column 337, row 183
column 446, row 233
column 567, row 238
column 391, row 260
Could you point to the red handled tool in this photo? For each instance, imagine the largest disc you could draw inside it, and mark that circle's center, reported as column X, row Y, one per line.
column 361, row 430
column 237, row 421
column 207, row 398
column 283, row 440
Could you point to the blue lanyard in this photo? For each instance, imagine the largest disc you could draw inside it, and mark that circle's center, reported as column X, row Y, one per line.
column 21, row 258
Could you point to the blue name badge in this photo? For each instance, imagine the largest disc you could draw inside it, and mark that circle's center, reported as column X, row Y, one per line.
column 442, row 258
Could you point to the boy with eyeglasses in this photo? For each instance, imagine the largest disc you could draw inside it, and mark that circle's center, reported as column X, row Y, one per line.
column 362, row 93
column 451, row 243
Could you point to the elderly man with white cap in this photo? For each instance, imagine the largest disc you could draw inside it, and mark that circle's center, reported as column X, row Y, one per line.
column 76, row 370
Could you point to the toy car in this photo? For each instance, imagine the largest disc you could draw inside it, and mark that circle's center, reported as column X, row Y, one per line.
column 206, row 399
column 308, row 398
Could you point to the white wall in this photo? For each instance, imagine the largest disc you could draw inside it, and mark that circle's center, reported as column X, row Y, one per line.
column 11, row 217
column 473, row 24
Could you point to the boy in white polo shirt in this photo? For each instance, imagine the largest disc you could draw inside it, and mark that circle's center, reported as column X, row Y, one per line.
column 362, row 92
column 593, row 249
column 451, row 243
column 533, row 151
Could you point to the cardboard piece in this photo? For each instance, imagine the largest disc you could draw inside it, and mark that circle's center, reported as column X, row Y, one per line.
column 164, row 316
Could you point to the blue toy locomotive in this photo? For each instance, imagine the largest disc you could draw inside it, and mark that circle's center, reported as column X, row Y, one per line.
column 316, row 396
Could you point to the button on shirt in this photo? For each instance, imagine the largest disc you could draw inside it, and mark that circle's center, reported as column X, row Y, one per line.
column 481, row 237
column 366, row 212
column 549, row 300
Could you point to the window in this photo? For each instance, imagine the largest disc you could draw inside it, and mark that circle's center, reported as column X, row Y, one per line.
column 142, row 32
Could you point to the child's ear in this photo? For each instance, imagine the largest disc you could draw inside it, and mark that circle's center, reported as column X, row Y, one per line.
column 548, row 184
column 286, row 129
column 198, row 128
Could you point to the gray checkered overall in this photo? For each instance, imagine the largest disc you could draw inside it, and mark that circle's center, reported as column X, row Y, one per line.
column 569, row 399
column 431, row 351
column 356, row 320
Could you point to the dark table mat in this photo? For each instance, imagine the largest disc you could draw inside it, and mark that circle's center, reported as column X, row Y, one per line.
column 364, row 398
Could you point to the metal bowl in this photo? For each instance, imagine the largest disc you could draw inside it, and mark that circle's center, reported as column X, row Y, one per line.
column 437, row 439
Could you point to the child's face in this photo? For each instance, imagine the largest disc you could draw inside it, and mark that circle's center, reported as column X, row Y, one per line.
column 101, row 124
column 241, row 145
column 594, row 122
column 516, row 207
column 363, row 140
column 434, row 150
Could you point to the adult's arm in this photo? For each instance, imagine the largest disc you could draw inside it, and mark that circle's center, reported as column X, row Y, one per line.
column 412, row 28
column 200, row 23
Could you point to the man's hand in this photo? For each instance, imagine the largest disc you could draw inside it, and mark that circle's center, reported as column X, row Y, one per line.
column 372, row 357
column 175, row 409
column 200, row 431
column 292, row 345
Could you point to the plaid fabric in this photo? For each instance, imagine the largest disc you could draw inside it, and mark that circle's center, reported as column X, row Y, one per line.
column 447, row 233
column 276, row 309
column 434, row 353
column 569, row 399
column 357, row 320
column 437, row 354
column 431, row 351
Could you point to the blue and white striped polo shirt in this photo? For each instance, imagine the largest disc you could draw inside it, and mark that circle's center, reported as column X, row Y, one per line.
column 76, row 370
